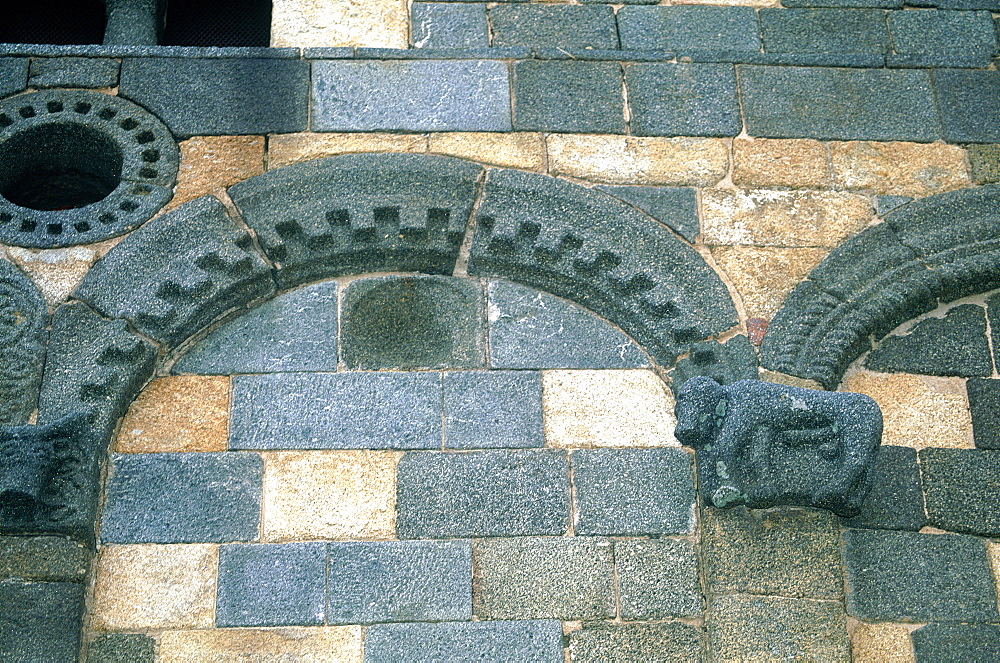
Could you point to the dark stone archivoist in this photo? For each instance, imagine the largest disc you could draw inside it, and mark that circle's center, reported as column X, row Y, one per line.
column 763, row 444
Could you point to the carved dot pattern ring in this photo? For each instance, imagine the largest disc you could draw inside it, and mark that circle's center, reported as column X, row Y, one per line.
column 80, row 136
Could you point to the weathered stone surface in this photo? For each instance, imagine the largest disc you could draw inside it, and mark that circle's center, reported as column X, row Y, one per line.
column 211, row 163
column 56, row 272
column 942, row 38
column 533, row 329
column 333, row 643
column 684, row 28
column 635, row 642
column 509, row 150
column 657, row 578
column 140, row 587
column 449, row 25
column 886, row 204
column 984, row 405
column 220, row 96
column 407, row 322
column 492, row 409
column 410, row 95
column 790, row 552
column 286, row 149
column 639, row 160
column 879, row 643
column 73, row 72
column 329, row 495
column 271, row 585
column 46, row 558
column 962, row 489
column 895, row 501
column 725, row 363
column 572, row 96
column 917, row 412
column 178, row 413
column 13, row 75
column 606, row 408
column 760, row 627
column 675, row 206
column 907, row 169
column 22, row 341
column 765, row 163
column 518, row 492
column 967, row 642
column 764, row 275
column 40, row 621
column 295, row 331
column 544, row 578
column 399, row 581
column 360, row 213
column 985, row 163
column 790, row 219
column 897, row 576
column 970, row 105
column 502, row 640
column 824, row 31
column 122, row 648
column 682, row 99
column 568, row 26
column 303, row 23
column 764, row 444
column 336, row 411
column 629, row 492
column 182, row 498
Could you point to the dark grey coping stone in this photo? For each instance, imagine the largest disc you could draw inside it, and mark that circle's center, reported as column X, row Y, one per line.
column 533, row 329
column 182, row 498
column 469, row 641
column 484, row 409
column 885, row 204
column 295, row 331
column 939, row 643
column 574, row 26
column 985, row 163
column 118, row 51
column 568, row 96
column 517, row 492
column 206, row 96
column 399, row 581
column 908, row 576
column 984, row 405
column 823, row 30
column 866, row 60
column 48, row 558
column 929, row 60
column 618, row 55
column 40, row 621
column 338, row 52
column 962, row 489
column 122, row 648
column 954, row 345
column 895, row 500
column 485, row 53
column 683, row 100
column 943, row 33
column 410, row 95
column 628, row 492
column 698, row 27
column 448, row 25
column 970, row 104
column 271, row 585
column 13, row 75
column 838, row 104
column 23, row 336
column 845, row 4
column 657, row 578
column 336, row 411
column 966, row 5
column 406, row 322
column 659, row 643
column 677, row 207
column 73, row 72
column 564, row 578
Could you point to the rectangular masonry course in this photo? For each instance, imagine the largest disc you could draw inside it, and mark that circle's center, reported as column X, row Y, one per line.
column 466, row 641
column 970, row 105
column 657, row 578
column 449, row 25
column 689, row 28
column 824, row 31
column 683, row 99
column 485, row 409
column 567, row 26
column 942, row 38
column 576, row 97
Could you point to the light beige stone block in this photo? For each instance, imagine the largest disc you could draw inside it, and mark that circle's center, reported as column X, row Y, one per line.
column 155, row 586
column 764, row 275
column 762, row 217
column 788, row 380
column 211, row 163
column 285, row 149
column 514, row 150
column 993, row 548
column 246, row 645
column 56, row 272
column 917, row 411
column 374, row 23
column 178, row 413
column 795, row 163
column 606, row 408
column 899, row 169
column 881, row 643
column 329, row 495
column 635, row 160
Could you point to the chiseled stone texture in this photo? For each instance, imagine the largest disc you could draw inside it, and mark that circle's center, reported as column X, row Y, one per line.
column 286, row 149
column 962, row 489
column 56, row 272
column 896, row 500
column 489, row 409
column 544, row 578
column 984, row 406
column 122, row 648
column 178, row 413
column 664, row 643
column 764, row 275
column 755, row 628
column 881, row 643
column 303, row 23
column 329, row 495
column 638, row 160
column 899, row 169
column 318, row 643
column 466, row 641
column 762, row 217
column 607, row 408
column 47, row 558
column 984, row 160
column 524, row 150
column 155, row 586
column 957, row 642
column 917, row 411
column 211, row 163
column 794, row 163
column 790, row 552
column 40, row 621
column 657, row 578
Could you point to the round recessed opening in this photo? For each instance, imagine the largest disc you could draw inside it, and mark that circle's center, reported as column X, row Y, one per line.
column 59, row 166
